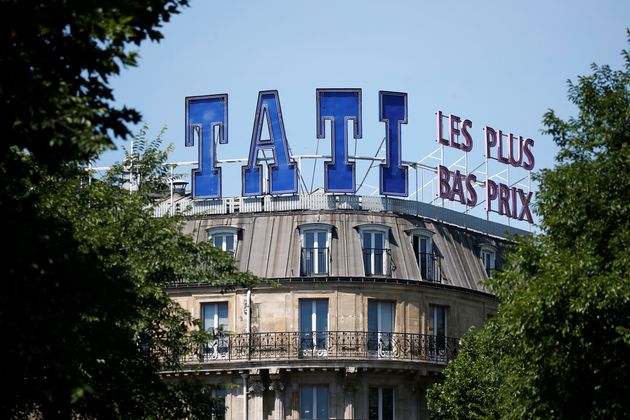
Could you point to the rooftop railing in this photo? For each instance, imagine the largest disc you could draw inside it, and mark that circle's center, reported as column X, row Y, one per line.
column 327, row 345
column 268, row 203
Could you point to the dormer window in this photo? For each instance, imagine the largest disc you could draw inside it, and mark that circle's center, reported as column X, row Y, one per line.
column 315, row 239
column 224, row 238
column 422, row 242
column 488, row 255
column 376, row 256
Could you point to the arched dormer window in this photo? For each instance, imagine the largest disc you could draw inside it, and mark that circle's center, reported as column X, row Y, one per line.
column 376, row 254
column 224, row 238
column 315, row 239
column 422, row 243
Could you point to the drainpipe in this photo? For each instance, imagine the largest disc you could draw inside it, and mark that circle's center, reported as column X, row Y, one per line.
column 248, row 308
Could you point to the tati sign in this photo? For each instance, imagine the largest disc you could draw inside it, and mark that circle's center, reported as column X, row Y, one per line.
column 207, row 117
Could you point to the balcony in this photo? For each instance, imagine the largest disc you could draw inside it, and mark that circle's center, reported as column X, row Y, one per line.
column 314, row 261
column 378, row 262
column 327, row 345
column 430, row 265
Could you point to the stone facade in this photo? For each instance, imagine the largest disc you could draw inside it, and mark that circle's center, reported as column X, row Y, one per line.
column 364, row 344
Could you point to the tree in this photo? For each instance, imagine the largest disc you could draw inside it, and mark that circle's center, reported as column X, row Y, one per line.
column 86, row 323
column 93, row 327
column 560, row 345
column 57, row 58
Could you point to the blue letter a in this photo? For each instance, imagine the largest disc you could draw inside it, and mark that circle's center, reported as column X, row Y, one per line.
column 283, row 171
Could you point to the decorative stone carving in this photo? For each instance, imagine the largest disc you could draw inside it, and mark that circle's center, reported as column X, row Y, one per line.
column 276, row 386
column 256, row 387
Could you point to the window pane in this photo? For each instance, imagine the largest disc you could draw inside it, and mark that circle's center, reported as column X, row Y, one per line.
column 378, row 261
column 387, row 400
column 321, row 322
column 322, row 314
column 229, row 243
column 440, row 321
column 372, row 325
column 309, row 259
column 209, row 312
column 373, row 404
column 309, row 239
column 387, row 317
column 367, row 240
column 322, row 261
column 306, row 324
column 306, row 402
column 321, row 239
column 372, row 315
column 367, row 262
column 223, row 315
column 378, row 240
column 423, row 245
column 217, row 241
column 322, row 402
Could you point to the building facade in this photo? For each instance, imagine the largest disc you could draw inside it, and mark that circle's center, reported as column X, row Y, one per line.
column 369, row 297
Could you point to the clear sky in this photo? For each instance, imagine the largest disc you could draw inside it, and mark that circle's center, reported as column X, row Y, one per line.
column 498, row 63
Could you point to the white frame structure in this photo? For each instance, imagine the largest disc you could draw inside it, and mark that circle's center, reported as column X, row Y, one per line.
column 224, row 232
column 488, row 255
column 218, row 347
column 315, row 333
column 316, row 229
column 372, row 230
column 379, row 402
column 427, row 235
column 316, row 389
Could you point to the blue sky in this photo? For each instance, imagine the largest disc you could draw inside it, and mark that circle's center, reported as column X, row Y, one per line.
column 497, row 63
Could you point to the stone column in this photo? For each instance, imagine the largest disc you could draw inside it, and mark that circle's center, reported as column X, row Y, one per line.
column 256, row 389
column 349, row 386
column 278, row 387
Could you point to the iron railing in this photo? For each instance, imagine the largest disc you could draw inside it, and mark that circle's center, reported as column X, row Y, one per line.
column 430, row 265
column 314, row 261
column 378, row 262
column 329, row 345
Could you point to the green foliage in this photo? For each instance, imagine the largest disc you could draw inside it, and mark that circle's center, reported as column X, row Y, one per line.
column 564, row 321
column 470, row 392
column 86, row 323
column 57, row 58
column 90, row 325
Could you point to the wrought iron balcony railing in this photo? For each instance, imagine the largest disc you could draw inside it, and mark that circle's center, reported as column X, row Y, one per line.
column 314, row 261
column 329, row 345
column 430, row 265
column 378, row 262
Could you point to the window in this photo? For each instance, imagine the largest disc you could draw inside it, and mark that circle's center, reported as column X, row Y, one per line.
column 314, row 402
column 313, row 325
column 218, row 410
column 438, row 327
column 380, row 327
column 214, row 318
column 224, row 238
column 488, row 258
column 315, row 239
column 422, row 243
column 375, row 250
column 381, row 404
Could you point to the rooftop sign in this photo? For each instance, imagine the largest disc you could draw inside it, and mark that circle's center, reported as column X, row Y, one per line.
column 207, row 120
